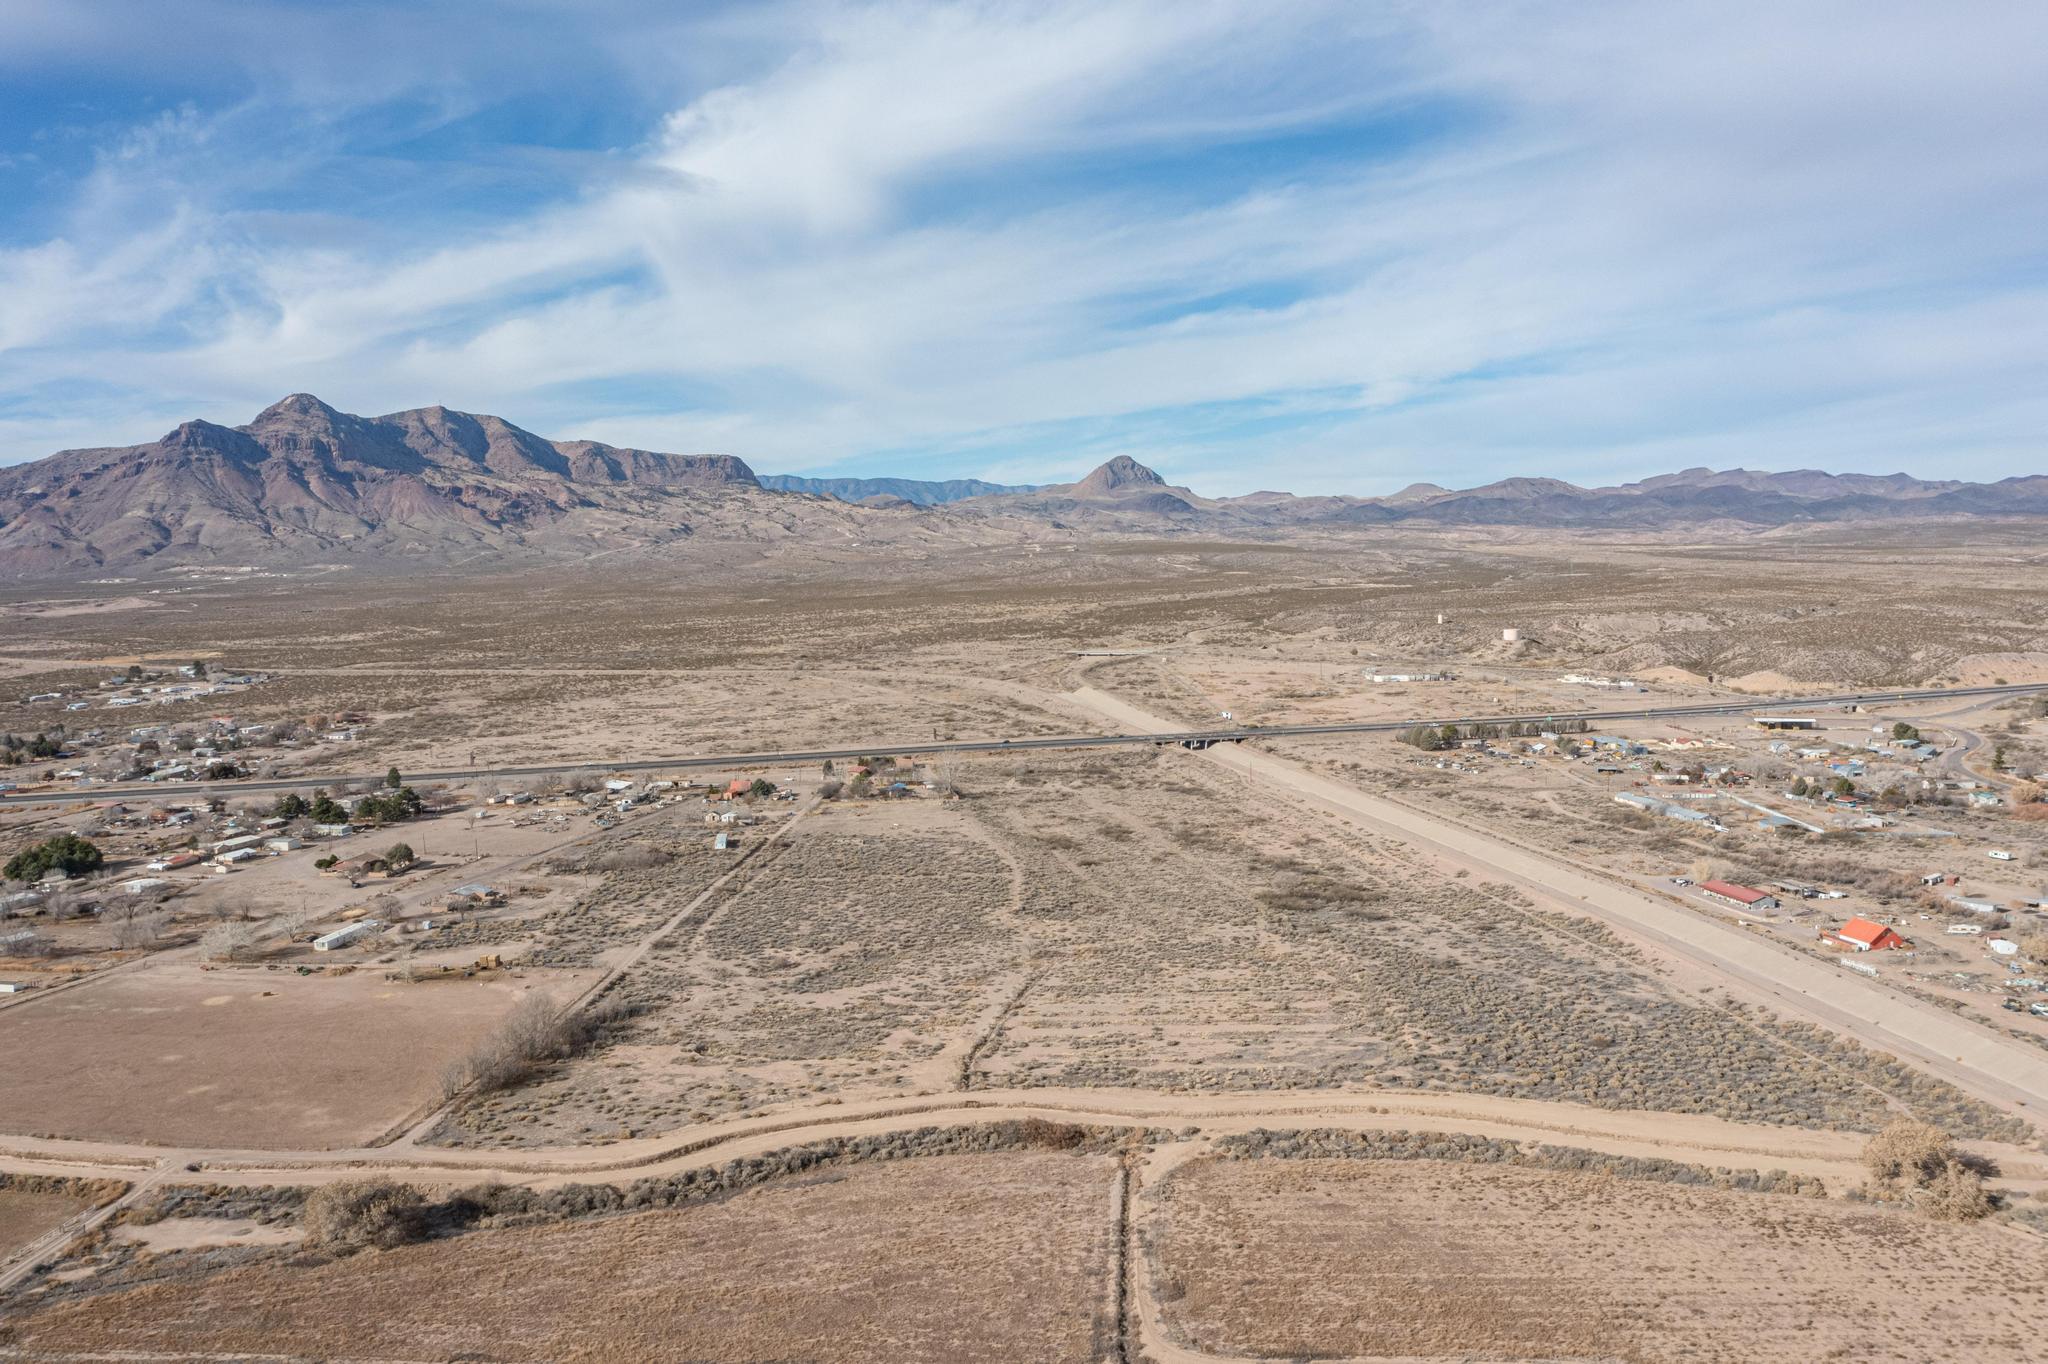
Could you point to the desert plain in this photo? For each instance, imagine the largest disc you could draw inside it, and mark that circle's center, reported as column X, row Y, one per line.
column 1369, row 1043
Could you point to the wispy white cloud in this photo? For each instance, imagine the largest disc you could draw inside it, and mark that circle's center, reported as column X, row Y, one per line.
column 1330, row 247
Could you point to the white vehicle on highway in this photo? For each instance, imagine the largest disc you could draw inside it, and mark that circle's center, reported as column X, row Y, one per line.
column 1999, row 855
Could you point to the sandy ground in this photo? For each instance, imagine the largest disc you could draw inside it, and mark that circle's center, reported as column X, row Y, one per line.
column 198, row 1233
column 994, row 1257
column 1420, row 1258
column 1986, row 669
column 179, row 1055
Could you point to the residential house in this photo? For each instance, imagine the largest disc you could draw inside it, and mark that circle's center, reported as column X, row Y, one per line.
column 1745, row 897
column 1864, row 935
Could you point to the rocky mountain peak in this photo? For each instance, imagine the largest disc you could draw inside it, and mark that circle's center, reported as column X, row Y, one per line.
column 1121, row 472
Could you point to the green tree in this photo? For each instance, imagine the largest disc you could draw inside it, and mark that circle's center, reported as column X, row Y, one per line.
column 1842, row 786
column 391, row 807
column 828, row 767
column 134, row 672
column 392, row 779
column 199, row 667
column 400, row 855
column 1998, row 759
column 325, row 811
column 1904, row 731
column 761, row 787
column 68, row 853
column 290, row 805
column 1799, row 786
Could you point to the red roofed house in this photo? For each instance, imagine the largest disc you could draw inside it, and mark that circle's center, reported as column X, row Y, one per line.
column 738, row 786
column 1740, row 895
column 1865, row 936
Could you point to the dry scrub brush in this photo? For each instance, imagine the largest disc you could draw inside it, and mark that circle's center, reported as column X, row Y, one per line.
column 1920, row 1162
column 356, row 1214
column 536, row 1031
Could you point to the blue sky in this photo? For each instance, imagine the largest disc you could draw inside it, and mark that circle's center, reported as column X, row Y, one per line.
column 1323, row 247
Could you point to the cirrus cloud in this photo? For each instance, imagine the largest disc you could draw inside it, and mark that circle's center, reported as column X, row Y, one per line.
column 1331, row 247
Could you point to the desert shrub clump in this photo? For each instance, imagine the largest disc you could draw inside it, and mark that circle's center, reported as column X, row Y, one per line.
column 1918, row 1161
column 537, row 1031
column 1318, row 893
column 1465, row 1148
column 630, row 857
column 360, row 1214
column 1051, row 1136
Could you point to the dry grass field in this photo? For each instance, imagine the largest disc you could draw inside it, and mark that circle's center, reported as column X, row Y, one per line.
column 25, row 1215
column 988, row 1257
column 1427, row 1259
column 179, row 1056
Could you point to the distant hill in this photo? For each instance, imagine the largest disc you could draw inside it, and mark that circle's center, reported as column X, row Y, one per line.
column 918, row 492
column 1117, row 496
column 1695, row 497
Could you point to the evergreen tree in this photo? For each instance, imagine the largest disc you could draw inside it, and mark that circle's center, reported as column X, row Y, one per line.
column 68, row 853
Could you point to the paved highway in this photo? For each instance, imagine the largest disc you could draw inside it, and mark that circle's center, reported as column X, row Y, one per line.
column 1198, row 737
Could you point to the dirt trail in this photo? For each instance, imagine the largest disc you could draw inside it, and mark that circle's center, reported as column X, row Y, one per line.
column 1955, row 1049
column 1831, row 1155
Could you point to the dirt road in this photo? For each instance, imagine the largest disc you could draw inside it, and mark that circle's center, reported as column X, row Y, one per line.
column 1967, row 1055
column 1829, row 1154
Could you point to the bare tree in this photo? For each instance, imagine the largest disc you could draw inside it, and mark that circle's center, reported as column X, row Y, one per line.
column 138, row 926
column 236, row 938
column 227, row 940
column 230, row 907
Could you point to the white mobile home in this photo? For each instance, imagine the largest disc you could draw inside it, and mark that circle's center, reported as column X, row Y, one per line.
column 342, row 937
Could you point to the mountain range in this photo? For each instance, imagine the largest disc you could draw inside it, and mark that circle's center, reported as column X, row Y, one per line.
column 304, row 483
column 916, row 491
